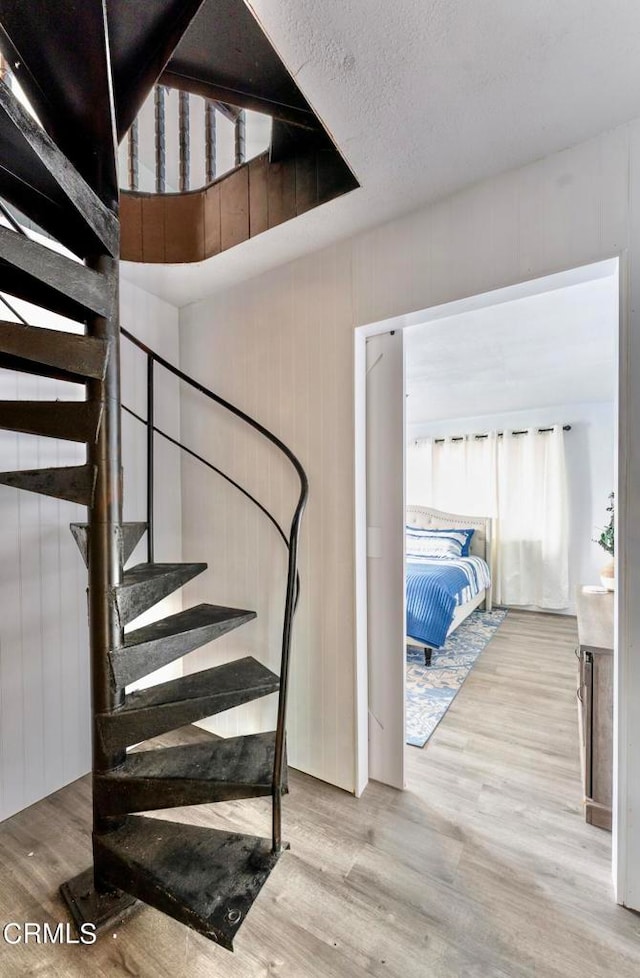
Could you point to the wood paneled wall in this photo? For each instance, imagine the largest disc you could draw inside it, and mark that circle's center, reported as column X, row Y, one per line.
column 44, row 663
column 282, row 346
column 192, row 226
column 280, row 349
column 45, row 729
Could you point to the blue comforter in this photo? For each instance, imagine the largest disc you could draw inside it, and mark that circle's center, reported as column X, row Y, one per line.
column 435, row 588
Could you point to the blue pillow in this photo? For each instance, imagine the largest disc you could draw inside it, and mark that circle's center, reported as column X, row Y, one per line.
column 467, row 545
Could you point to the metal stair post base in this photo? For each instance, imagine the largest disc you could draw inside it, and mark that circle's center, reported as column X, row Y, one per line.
column 89, row 906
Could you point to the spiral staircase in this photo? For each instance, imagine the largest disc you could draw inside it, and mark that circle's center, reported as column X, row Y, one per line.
column 59, row 171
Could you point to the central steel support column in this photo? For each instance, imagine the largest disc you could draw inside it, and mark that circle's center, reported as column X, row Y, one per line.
column 88, row 899
column 105, row 519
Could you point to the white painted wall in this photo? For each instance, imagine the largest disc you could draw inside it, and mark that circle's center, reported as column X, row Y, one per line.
column 45, row 725
column 590, row 458
column 282, row 346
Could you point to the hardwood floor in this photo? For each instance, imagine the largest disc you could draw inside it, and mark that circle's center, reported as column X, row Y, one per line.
column 483, row 868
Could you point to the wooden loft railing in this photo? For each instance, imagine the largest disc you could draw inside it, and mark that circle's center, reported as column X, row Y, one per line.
column 181, row 141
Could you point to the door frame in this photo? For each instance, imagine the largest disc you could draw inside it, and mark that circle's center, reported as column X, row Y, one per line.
column 361, row 335
column 623, row 789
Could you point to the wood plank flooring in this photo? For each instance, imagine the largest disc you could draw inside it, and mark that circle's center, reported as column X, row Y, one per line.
column 483, row 868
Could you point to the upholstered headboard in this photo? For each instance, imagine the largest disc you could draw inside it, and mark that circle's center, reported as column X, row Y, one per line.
column 425, row 516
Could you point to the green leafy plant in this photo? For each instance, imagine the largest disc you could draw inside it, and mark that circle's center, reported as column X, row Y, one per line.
column 607, row 537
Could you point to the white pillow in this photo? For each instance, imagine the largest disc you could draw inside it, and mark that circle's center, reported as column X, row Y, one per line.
column 434, row 543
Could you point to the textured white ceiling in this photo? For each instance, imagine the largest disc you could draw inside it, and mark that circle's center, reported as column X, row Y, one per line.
column 427, row 96
column 553, row 348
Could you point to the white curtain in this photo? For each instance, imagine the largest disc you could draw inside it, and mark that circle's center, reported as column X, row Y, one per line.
column 519, row 480
column 533, row 545
column 419, row 473
column 464, row 474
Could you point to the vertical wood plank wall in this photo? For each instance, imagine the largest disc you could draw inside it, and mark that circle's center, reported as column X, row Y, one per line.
column 281, row 345
column 190, row 227
column 277, row 354
column 44, row 661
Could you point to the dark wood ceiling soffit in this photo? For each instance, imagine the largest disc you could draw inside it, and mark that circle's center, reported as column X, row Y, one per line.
column 222, row 53
column 58, row 51
column 74, row 71
column 142, row 38
column 225, row 55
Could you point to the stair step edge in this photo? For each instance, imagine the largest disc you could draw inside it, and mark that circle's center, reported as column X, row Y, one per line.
column 146, row 858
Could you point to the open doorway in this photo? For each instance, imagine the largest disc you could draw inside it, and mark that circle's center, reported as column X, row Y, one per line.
column 510, row 470
column 539, row 358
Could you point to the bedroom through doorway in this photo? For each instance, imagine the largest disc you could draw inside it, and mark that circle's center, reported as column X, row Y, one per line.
column 510, row 476
column 491, row 449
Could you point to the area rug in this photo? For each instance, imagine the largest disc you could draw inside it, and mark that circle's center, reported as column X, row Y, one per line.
column 431, row 689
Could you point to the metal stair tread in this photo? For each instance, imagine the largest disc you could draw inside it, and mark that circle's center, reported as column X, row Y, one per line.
column 149, row 712
column 146, row 584
column 241, row 674
column 74, row 483
column 63, row 203
column 152, row 646
column 142, row 573
column 79, row 288
column 52, row 353
column 77, row 421
column 192, row 774
column 246, row 760
column 199, row 616
column 130, row 536
column 206, row 878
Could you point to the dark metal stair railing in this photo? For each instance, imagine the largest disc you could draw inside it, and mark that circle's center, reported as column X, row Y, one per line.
column 291, row 541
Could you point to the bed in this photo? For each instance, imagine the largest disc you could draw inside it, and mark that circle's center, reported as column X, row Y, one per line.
column 442, row 591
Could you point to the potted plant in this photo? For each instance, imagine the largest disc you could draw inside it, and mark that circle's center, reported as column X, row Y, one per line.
column 607, row 541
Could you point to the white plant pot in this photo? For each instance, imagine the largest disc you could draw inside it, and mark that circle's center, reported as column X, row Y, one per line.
column 607, row 576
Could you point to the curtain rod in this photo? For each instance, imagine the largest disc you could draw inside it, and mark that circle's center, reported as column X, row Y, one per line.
column 440, row 441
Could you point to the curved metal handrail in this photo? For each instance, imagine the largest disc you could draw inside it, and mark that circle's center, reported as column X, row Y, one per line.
column 214, row 468
column 291, row 542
